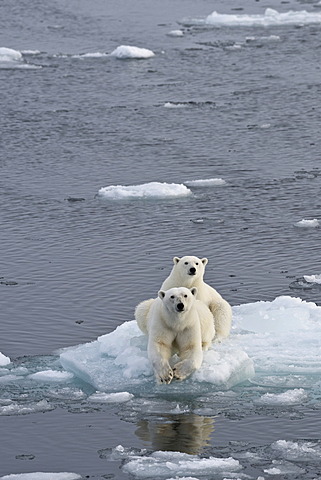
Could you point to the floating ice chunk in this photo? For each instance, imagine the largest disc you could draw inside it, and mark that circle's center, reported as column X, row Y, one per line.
column 101, row 397
column 282, row 337
column 312, row 278
column 119, row 361
column 176, row 33
column 127, row 51
column 18, row 409
column 9, row 55
column 208, row 182
column 308, row 223
column 282, row 467
column 162, row 464
column 270, row 17
column 175, row 105
column 144, row 191
column 4, row 360
column 301, row 450
column 41, row 476
column 51, row 376
column 281, row 340
column 290, row 397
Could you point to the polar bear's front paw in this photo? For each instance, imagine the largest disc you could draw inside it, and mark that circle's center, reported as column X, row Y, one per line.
column 181, row 370
column 165, row 375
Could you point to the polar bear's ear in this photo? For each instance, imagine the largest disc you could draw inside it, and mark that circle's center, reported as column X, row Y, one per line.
column 204, row 261
column 176, row 260
column 194, row 291
column 161, row 294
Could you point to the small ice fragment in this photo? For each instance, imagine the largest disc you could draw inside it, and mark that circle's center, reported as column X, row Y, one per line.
column 290, row 397
column 312, row 278
column 41, row 476
column 144, row 191
column 101, row 397
column 51, row 376
column 127, row 51
column 308, row 223
column 9, row 55
column 4, row 360
column 175, row 33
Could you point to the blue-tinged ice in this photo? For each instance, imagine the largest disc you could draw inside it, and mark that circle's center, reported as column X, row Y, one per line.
column 272, row 344
column 42, row 476
column 4, row 360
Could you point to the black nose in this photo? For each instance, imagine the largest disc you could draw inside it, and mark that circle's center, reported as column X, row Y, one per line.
column 180, row 307
column 192, row 271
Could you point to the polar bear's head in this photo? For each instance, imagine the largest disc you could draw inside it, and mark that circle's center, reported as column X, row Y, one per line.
column 179, row 299
column 190, row 267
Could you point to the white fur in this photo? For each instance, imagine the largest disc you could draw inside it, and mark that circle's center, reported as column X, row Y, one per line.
column 175, row 322
column 188, row 272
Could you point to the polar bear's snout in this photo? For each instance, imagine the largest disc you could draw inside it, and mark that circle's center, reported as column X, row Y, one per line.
column 192, row 271
column 180, row 307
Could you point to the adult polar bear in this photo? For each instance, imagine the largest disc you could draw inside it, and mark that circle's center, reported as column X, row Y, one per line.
column 188, row 272
column 175, row 322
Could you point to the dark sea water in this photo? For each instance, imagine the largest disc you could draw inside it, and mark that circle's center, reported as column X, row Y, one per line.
column 241, row 103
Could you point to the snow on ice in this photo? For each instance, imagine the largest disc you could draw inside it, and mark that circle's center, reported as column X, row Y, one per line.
column 272, row 343
column 127, row 51
column 308, row 223
column 144, row 191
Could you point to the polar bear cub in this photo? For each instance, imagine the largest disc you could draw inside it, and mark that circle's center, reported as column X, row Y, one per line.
column 188, row 272
column 175, row 322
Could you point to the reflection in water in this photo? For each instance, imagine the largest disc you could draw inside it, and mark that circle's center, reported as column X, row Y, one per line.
column 181, row 433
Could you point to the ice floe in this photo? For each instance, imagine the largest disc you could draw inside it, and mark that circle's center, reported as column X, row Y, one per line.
column 308, row 223
column 4, row 360
column 175, row 33
column 312, row 278
column 101, row 397
column 127, row 51
column 15, row 408
column 300, row 450
column 175, row 105
column 10, row 58
column 270, row 17
column 163, row 464
column 9, row 55
column 273, row 344
column 144, row 191
column 41, row 476
column 289, row 397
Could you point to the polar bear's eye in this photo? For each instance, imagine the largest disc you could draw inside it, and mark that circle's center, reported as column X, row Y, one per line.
column 173, row 296
column 186, row 263
column 185, row 296
column 196, row 263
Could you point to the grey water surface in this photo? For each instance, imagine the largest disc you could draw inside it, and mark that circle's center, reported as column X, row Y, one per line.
column 245, row 107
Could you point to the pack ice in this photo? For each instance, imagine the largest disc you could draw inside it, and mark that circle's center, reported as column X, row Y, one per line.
column 272, row 343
